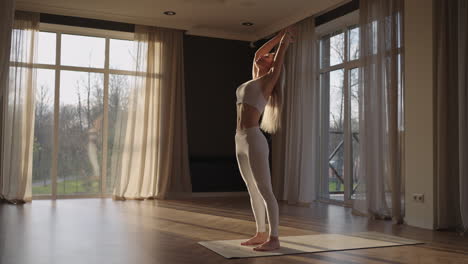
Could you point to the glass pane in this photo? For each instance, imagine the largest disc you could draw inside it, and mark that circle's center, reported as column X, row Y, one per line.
column 80, row 133
column 46, row 49
column 332, row 50
column 82, row 51
column 374, row 37
column 43, row 133
column 118, row 101
column 332, row 83
column 354, row 92
column 399, row 28
column 400, row 94
column 121, row 55
column 354, row 43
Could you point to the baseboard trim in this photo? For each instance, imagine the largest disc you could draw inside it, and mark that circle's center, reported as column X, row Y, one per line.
column 219, row 194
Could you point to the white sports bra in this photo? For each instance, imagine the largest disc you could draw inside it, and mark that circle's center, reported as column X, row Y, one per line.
column 251, row 93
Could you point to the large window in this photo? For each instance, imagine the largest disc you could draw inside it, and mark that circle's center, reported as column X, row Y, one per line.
column 82, row 83
column 339, row 82
column 341, row 73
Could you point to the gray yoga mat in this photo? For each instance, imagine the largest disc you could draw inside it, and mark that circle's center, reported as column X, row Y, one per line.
column 309, row 244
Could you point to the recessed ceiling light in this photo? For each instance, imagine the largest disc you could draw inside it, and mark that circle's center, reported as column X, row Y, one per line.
column 170, row 13
column 248, row 24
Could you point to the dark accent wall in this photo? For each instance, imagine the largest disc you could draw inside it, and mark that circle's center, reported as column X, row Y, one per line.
column 214, row 68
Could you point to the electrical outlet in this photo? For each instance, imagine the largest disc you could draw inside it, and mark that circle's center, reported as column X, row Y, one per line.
column 418, row 197
column 421, row 198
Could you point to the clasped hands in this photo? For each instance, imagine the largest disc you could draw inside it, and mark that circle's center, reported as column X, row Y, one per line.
column 288, row 34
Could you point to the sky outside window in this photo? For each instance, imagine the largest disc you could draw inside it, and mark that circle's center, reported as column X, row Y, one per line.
column 83, row 51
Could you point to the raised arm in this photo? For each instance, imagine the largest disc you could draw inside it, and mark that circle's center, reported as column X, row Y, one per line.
column 269, row 45
column 278, row 61
column 264, row 49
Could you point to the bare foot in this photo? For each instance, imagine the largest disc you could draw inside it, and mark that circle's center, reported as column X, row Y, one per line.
column 272, row 244
column 259, row 238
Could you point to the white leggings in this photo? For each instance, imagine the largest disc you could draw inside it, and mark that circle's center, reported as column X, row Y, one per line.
column 252, row 158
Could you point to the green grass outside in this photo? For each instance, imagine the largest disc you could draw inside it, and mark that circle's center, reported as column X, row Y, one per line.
column 68, row 187
column 332, row 187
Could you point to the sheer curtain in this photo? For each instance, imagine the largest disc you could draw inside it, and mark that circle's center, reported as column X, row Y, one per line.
column 18, row 111
column 295, row 147
column 380, row 189
column 150, row 159
column 451, row 115
column 7, row 13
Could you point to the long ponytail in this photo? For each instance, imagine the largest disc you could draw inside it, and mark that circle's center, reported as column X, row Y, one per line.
column 271, row 119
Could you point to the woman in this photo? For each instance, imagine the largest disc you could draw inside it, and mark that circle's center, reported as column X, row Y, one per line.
column 261, row 93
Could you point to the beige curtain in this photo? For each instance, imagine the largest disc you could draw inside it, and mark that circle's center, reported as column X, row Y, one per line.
column 18, row 111
column 7, row 13
column 295, row 148
column 150, row 159
column 380, row 190
column 451, row 115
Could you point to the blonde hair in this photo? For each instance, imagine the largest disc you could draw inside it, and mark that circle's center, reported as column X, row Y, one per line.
column 271, row 119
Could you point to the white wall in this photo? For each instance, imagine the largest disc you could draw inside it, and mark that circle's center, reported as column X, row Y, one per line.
column 419, row 108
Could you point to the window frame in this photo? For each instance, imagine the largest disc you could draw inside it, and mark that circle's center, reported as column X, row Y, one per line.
column 339, row 25
column 59, row 30
column 342, row 24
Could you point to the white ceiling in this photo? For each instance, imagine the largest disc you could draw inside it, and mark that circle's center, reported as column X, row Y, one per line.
column 212, row 18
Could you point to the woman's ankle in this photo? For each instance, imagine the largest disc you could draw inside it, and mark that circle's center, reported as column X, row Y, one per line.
column 274, row 237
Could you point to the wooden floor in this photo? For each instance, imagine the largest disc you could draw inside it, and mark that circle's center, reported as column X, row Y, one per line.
column 154, row 231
